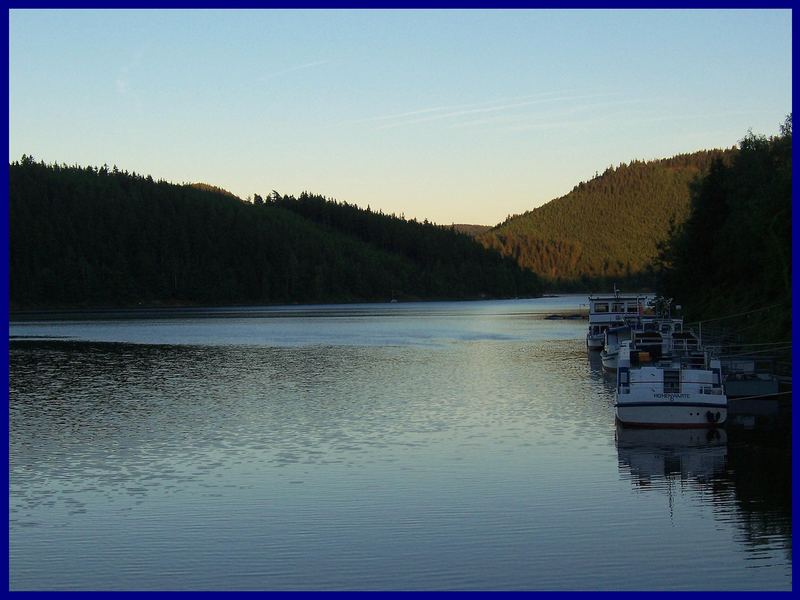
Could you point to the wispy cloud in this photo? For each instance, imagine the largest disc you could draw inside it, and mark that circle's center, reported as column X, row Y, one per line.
column 497, row 108
column 647, row 117
column 443, row 111
column 559, row 117
column 509, row 111
column 584, row 115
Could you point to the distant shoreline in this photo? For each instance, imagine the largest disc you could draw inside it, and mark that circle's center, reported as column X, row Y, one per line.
column 123, row 312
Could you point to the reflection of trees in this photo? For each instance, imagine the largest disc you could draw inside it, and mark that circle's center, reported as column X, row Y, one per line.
column 128, row 419
column 98, row 417
column 747, row 472
column 759, row 483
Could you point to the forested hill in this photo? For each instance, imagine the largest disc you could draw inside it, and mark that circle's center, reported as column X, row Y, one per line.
column 733, row 254
column 608, row 227
column 472, row 230
column 102, row 237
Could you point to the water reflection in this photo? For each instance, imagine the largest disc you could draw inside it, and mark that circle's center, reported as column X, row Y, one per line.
column 487, row 460
column 758, row 482
column 652, row 457
column 599, row 375
column 744, row 477
column 118, row 420
column 413, row 323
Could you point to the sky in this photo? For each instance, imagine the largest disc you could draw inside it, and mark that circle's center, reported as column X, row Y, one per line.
column 454, row 116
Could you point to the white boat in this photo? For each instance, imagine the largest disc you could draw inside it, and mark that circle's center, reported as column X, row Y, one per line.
column 679, row 387
column 612, row 340
column 611, row 310
column 644, row 330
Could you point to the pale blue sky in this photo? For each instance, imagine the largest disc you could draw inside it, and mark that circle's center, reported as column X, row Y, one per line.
column 453, row 116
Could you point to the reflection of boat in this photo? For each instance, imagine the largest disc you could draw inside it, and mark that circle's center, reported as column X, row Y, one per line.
column 595, row 364
column 611, row 310
column 655, row 454
column 675, row 384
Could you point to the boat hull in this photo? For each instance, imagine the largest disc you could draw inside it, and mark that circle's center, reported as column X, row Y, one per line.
column 594, row 342
column 610, row 360
column 671, row 414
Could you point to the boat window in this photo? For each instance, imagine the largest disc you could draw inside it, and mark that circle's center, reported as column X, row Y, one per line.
column 672, row 381
column 618, row 307
column 601, row 307
column 632, row 308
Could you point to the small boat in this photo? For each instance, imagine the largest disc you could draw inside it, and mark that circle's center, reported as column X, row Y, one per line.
column 674, row 384
column 645, row 332
column 611, row 310
column 612, row 340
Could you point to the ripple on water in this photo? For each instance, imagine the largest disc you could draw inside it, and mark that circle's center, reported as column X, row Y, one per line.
column 486, row 459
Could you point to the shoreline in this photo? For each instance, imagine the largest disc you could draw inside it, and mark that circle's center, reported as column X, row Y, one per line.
column 242, row 310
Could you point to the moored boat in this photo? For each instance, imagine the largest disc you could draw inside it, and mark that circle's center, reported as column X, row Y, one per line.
column 645, row 332
column 611, row 310
column 669, row 385
column 612, row 340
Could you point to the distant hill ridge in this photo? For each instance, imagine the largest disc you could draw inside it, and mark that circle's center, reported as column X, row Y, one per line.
column 473, row 230
column 90, row 237
column 207, row 187
column 607, row 227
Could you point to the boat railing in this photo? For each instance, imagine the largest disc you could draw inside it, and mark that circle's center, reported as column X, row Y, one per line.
column 683, row 345
column 676, row 387
column 692, row 360
column 710, row 390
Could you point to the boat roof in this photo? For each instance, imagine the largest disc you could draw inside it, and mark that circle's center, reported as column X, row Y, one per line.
column 618, row 297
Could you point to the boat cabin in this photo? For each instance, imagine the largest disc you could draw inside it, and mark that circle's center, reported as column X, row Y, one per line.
column 611, row 308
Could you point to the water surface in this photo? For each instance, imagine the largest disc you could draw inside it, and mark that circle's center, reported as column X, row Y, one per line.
column 466, row 445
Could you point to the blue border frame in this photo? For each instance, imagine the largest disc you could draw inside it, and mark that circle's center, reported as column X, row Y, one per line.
column 404, row 4
column 4, row 298
column 395, row 4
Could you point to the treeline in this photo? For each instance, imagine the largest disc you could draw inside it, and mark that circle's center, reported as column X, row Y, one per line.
column 446, row 260
column 733, row 254
column 104, row 237
column 472, row 230
column 607, row 229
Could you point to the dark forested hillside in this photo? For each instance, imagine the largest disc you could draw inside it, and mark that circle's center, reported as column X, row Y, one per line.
column 608, row 227
column 733, row 254
column 92, row 237
column 443, row 256
column 472, row 230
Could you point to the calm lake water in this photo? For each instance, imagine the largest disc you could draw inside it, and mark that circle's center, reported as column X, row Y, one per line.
column 467, row 445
